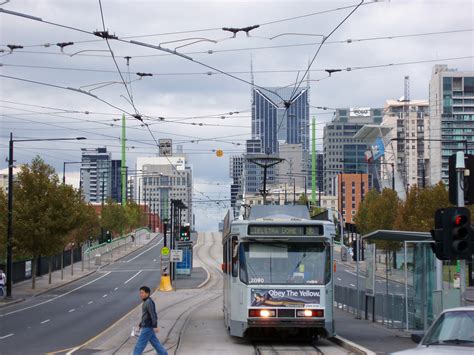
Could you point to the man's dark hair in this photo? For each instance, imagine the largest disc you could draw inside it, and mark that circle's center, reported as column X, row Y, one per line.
column 145, row 289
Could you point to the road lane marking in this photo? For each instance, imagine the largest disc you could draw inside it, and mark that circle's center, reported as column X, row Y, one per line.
column 130, row 279
column 339, row 279
column 353, row 273
column 55, row 298
column 7, row 336
column 72, row 351
column 353, row 285
column 104, row 296
column 90, row 302
column 45, row 321
column 116, row 288
column 143, row 252
column 72, row 310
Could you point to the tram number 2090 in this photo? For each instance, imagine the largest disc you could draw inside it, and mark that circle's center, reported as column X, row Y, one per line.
column 257, row 280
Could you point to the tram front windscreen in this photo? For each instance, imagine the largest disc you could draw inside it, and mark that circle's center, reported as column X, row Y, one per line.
column 285, row 263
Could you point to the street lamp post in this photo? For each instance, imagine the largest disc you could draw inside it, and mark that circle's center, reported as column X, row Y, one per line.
column 64, row 168
column 10, row 203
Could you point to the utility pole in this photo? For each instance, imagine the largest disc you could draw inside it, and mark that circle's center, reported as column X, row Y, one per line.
column 102, row 207
column 10, row 219
column 123, row 163
column 460, row 167
column 313, row 163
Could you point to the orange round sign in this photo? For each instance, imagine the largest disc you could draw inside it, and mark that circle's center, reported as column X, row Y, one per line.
column 219, row 153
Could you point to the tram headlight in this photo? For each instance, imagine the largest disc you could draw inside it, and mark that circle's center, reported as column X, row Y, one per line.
column 310, row 313
column 262, row 313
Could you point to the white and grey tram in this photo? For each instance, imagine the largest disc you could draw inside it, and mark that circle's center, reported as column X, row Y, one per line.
column 278, row 272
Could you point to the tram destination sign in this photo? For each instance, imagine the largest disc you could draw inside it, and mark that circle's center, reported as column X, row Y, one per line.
column 286, row 230
column 285, row 298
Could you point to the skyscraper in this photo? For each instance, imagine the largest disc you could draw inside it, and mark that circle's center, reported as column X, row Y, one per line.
column 342, row 152
column 95, row 174
column 409, row 152
column 451, row 124
column 280, row 115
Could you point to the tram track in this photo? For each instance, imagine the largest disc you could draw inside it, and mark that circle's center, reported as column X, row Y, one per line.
column 181, row 309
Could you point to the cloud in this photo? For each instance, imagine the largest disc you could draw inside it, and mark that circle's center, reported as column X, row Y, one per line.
column 202, row 94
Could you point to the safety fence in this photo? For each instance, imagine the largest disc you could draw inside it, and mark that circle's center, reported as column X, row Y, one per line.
column 388, row 309
column 95, row 255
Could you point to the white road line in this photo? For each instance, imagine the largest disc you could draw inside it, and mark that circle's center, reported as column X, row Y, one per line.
column 353, row 273
column 7, row 336
column 55, row 298
column 72, row 351
column 143, row 252
column 104, row 296
column 71, row 310
column 353, row 285
column 339, row 279
column 45, row 321
column 130, row 279
column 116, row 288
column 90, row 302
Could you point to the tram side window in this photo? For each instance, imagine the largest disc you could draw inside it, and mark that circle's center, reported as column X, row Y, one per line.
column 235, row 256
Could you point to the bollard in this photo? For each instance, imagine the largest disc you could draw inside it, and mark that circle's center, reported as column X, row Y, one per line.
column 97, row 259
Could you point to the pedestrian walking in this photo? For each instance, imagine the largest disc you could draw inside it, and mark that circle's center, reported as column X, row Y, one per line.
column 3, row 281
column 148, row 325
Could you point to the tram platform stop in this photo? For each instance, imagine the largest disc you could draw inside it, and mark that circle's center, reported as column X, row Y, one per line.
column 401, row 290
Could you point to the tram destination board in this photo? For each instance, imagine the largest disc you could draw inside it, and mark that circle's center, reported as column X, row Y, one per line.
column 286, row 230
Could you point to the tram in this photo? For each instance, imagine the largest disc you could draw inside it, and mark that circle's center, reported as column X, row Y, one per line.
column 278, row 273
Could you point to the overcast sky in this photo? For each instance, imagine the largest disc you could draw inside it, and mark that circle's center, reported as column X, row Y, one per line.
column 181, row 90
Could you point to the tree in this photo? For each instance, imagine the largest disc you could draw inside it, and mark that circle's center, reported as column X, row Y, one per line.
column 303, row 200
column 3, row 224
column 362, row 216
column 113, row 218
column 376, row 212
column 417, row 212
column 135, row 216
column 44, row 212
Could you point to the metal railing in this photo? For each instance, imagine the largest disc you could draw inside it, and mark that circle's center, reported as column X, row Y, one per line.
column 389, row 308
column 105, row 251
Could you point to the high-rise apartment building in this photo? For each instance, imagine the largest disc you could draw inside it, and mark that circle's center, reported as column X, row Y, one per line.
column 451, row 124
column 407, row 147
column 158, row 180
column 236, row 170
column 96, row 174
column 342, row 152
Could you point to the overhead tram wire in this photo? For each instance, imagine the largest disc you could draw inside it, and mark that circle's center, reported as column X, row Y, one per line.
column 142, row 44
column 325, row 38
column 190, row 31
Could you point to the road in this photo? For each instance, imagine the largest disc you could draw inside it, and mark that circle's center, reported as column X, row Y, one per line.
column 65, row 318
column 346, row 276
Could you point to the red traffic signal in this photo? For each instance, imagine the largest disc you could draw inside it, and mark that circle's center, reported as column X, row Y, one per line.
column 460, row 220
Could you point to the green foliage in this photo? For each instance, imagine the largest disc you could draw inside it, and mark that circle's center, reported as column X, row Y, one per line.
column 135, row 216
column 417, row 212
column 316, row 210
column 378, row 212
column 303, row 200
column 114, row 218
column 3, row 224
column 88, row 224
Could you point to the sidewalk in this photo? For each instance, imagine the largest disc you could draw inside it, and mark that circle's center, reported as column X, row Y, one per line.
column 22, row 290
column 373, row 336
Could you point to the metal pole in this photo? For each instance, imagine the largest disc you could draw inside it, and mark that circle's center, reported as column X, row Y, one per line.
column 10, row 219
column 264, row 185
column 393, row 176
column 462, row 263
column 406, row 283
column 122, row 167
column 294, row 191
column 102, row 208
column 313, row 162
column 64, row 172
column 357, row 277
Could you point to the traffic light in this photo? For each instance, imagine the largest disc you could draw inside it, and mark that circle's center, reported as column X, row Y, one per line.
column 108, row 237
column 453, row 234
column 185, row 234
